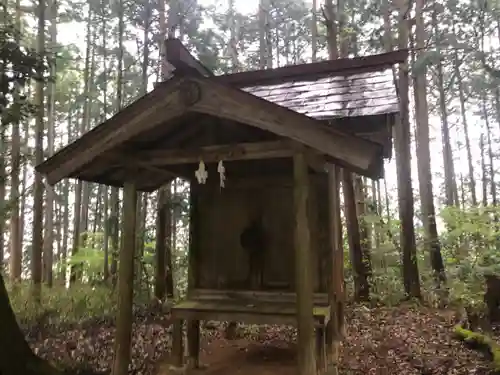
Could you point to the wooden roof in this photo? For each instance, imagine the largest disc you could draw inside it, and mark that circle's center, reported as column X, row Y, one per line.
column 196, row 115
column 136, row 143
column 355, row 95
column 363, row 94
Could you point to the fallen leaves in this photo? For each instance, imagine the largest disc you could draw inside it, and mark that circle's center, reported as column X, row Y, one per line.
column 406, row 340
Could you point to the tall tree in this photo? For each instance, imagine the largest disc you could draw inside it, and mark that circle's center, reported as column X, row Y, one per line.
column 16, row 247
column 37, row 245
column 424, row 153
column 402, row 142
column 450, row 183
column 48, row 241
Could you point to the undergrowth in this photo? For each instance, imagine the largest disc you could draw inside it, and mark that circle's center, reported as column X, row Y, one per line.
column 82, row 301
column 65, row 305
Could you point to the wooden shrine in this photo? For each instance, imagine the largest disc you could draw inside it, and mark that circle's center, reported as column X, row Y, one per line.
column 262, row 246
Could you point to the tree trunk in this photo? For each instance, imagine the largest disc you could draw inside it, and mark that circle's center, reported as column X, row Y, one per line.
column 314, row 31
column 493, row 188
column 115, row 204
column 484, row 180
column 450, row 183
column 37, row 245
column 163, row 277
column 48, row 243
column 359, row 260
column 16, row 247
column 461, row 94
column 402, row 141
column 13, row 345
column 424, row 156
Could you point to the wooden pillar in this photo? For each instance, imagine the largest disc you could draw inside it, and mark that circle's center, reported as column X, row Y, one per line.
column 177, row 343
column 125, row 282
column 303, row 269
column 336, row 281
column 193, row 326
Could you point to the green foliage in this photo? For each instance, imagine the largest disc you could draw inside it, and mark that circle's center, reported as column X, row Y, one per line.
column 60, row 304
column 470, row 246
column 18, row 65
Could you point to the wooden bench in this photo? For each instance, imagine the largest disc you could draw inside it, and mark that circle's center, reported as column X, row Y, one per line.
column 246, row 307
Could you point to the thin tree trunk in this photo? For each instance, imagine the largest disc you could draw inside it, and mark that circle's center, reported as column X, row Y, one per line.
column 115, row 205
column 450, row 183
column 48, row 243
column 314, row 31
column 493, row 188
column 461, row 95
column 16, row 247
column 37, row 245
column 484, row 180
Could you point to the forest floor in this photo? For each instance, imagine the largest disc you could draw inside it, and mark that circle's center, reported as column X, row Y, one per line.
column 402, row 340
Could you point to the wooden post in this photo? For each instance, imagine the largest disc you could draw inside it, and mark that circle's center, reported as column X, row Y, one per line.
column 177, row 343
column 336, row 281
column 303, row 269
column 125, row 282
column 193, row 253
column 193, row 343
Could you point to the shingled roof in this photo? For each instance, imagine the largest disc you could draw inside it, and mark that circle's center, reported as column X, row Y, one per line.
column 341, row 110
column 365, row 94
column 361, row 86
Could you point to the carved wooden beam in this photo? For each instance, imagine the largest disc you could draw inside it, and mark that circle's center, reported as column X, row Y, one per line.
column 180, row 58
column 241, row 151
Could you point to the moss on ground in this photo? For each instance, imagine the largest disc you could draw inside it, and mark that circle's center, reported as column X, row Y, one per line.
column 481, row 342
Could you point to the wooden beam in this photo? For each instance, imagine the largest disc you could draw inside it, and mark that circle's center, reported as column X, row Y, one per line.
column 127, row 161
column 142, row 116
column 125, row 282
column 313, row 70
column 346, row 150
column 242, row 151
column 182, row 60
column 303, row 270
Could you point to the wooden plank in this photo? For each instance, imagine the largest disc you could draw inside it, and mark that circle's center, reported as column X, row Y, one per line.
column 349, row 151
column 318, row 69
column 215, row 153
column 125, row 283
column 303, row 269
column 256, row 313
column 261, row 296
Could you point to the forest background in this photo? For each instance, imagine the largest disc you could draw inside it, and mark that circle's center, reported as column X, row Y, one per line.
column 101, row 55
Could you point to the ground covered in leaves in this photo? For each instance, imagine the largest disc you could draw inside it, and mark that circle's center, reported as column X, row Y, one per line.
column 399, row 340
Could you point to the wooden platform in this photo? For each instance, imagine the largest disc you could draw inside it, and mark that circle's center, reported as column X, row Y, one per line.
column 246, row 307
